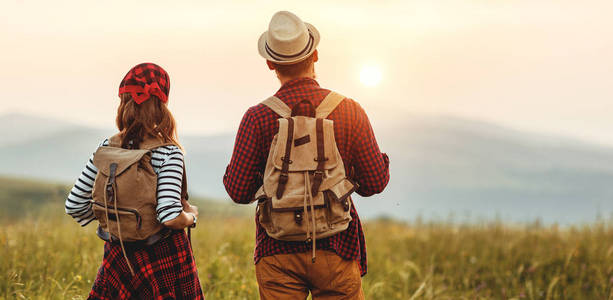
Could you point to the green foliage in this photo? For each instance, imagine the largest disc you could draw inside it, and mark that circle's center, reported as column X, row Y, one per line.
column 48, row 256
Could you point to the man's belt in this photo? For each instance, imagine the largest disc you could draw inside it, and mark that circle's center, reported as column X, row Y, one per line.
column 154, row 238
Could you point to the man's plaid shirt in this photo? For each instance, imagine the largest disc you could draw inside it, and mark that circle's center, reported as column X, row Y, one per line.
column 356, row 142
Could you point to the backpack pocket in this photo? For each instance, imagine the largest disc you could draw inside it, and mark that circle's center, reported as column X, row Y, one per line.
column 291, row 223
column 130, row 219
column 338, row 202
column 263, row 212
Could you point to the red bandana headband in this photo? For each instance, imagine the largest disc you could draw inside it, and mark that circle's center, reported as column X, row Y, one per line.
column 146, row 80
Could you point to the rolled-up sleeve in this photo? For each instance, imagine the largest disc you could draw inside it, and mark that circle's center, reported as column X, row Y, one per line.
column 371, row 166
column 169, row 186
column 240, row 179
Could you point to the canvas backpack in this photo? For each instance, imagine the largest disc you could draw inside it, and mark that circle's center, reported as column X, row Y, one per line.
column 305, row 192
column 125, row 191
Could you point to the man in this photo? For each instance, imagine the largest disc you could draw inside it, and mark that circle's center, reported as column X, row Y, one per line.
column 284, row 269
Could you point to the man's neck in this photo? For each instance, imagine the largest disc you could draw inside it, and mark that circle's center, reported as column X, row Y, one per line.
column 284, row 80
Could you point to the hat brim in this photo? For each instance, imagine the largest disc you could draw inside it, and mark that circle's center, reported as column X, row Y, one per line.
column 264, row 54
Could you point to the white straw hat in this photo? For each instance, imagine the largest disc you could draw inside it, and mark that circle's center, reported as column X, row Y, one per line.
column 288, row 39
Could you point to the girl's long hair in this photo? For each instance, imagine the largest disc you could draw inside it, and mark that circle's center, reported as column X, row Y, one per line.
column 150, row 119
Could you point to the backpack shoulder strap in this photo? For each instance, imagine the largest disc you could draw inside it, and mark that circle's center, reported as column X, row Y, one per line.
column 184, row 194
column 115, row 141
column 278, row 106
column 147, row 144
column 151, row 144
column 327, row 106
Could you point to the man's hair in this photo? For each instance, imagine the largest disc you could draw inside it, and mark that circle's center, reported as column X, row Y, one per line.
column 294, row 70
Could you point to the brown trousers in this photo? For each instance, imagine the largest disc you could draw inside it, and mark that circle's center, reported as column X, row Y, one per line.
column 292, row 276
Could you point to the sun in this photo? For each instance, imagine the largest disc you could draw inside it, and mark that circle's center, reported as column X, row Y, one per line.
column 371, row 75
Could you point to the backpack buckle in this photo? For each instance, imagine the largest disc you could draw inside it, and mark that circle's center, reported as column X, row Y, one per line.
column 283, row 178
column 317, row 180
column 318, row 176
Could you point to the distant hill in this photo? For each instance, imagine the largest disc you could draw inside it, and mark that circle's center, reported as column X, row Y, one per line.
column 443, row 165
column 19, row 128
column 21, row 197
column 439, row 165
column 60, row 155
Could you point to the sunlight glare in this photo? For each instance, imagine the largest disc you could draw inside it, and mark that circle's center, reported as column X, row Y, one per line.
column 370, row 75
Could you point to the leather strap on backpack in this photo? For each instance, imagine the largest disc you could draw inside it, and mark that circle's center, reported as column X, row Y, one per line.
column 321, row 159
column 286, row 158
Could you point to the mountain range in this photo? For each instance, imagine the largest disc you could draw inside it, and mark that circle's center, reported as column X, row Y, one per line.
column 442, row 168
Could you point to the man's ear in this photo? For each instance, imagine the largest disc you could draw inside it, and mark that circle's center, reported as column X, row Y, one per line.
column 270, row 65
column 315, row 56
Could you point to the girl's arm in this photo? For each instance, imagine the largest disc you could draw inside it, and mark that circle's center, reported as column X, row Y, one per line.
column 78, row 203
column 170, row 179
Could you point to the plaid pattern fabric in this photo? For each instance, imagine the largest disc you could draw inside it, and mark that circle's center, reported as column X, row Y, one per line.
column 146, row 80
column 356, row 143
column 166, row 270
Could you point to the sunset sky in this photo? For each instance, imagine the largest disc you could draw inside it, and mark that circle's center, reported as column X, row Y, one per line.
column 543, row 66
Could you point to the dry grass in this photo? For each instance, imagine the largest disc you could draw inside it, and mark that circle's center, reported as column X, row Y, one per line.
column 44, row 254
column 51, row 257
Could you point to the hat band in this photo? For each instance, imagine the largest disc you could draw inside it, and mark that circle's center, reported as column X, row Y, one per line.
column 282, row 57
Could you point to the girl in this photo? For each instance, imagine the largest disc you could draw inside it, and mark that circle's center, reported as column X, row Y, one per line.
column 164, row 269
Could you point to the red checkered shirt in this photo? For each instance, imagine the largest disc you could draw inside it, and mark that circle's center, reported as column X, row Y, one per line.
column 356, row 143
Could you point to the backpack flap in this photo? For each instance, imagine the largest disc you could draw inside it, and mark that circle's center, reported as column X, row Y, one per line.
column 124, row 158
column 342, row 190
column 304, row 145
column 296, row 202
column 294, row 198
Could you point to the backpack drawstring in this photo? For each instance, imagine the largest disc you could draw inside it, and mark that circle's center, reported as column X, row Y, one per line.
column 309, row 196
column 304, row 205
column 111, row 188
column 119, row 232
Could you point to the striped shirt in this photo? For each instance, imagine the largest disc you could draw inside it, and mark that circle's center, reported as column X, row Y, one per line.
column 167, row 162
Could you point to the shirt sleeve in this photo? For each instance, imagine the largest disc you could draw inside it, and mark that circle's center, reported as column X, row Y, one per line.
column 241, row 177
column 78, row 203
column 371, row 167
column 170, row 182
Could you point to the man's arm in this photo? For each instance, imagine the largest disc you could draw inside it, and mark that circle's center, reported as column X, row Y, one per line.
column 370, row 166
column 241, row 180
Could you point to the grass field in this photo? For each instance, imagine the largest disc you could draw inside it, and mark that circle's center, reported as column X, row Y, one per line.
column 46, row 255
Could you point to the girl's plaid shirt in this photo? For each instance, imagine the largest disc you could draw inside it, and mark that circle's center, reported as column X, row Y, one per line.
column 355, row 141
